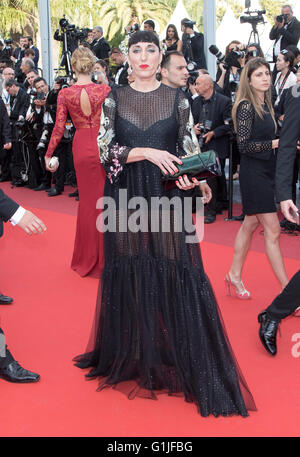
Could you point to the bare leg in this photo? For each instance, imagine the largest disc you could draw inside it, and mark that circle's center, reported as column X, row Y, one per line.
column 271, row 227
column 242, row 245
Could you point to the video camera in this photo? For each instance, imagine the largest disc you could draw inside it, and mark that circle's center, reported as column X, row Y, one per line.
column 72, row 30
column 253, row 17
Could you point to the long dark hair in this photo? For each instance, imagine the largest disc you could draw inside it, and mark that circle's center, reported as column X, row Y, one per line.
column 246, row 92
column 172, row 26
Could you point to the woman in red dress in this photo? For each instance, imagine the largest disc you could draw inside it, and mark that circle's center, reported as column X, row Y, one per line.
column 83, row 101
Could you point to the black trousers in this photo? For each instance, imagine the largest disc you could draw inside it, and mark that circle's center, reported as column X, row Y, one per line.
column 218, row 187
column 5, row 356
column 286, row 302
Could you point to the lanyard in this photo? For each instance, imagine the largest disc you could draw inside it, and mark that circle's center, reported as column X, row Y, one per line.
column 280, row 87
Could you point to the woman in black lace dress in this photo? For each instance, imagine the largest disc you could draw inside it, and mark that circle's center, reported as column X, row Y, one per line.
column 157, row 326
column 255, row 125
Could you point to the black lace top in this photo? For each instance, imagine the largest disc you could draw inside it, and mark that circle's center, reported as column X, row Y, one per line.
column 254, row 135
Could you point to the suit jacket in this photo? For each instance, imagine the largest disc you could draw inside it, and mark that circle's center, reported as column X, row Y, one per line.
column 36, row 57
column 218, row 109
column 5, row 130
column 290, row 35
column 290, row 134
column 19, row 105
column 195, row 52
column 121, row 78
column 8, row 207
column 101, row 49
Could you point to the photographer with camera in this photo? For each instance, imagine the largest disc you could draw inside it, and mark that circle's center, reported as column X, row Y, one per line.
column 47, row 118
column 100, row 46
column 6, row 49
column 19, row 104
column 253, row 50
column 230, row 67
column 18, row 55
column 192, row 44
column 210, row 111
column 286, row 31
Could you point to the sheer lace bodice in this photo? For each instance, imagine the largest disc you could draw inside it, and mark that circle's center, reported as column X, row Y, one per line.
column 254, row 135
column 68, row 101
column 147, row 116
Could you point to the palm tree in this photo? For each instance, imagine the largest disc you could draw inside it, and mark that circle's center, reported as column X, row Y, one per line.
column 16, row 16
column 116, row 15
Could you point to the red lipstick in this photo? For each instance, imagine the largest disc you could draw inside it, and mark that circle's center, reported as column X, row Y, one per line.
column 144, row 66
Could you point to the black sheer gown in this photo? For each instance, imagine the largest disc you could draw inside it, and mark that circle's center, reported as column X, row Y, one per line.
column 157, row 325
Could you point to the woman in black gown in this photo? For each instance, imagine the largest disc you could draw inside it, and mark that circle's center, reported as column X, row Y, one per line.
column 157, row 326
column 255, row 125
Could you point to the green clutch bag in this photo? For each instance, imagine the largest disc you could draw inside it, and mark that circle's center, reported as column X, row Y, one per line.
column 200, row 166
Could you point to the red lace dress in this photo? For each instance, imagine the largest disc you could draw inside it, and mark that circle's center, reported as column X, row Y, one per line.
column 88, row 249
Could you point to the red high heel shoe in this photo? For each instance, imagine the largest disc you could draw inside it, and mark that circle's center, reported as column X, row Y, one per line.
column 239, row 288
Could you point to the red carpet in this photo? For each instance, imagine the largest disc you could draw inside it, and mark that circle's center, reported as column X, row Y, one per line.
column 50, row 321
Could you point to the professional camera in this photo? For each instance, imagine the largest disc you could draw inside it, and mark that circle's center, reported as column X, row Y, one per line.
column 72, row 30
column 44, row 140
column 63, row 81
column 204, row 128
column 282, row 18
column 191, row 67
column 214, row 50
column 232, row 58
column 253, row 17
column 188, row 23
column 134, row 28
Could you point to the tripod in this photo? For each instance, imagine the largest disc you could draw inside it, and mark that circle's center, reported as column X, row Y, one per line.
column 230, row 182
column 65, row 61
column 254, row 36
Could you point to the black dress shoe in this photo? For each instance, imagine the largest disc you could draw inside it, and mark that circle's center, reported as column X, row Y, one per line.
column 210, row 218
column 53, row 192
column 42, row 187
column 241, row 217
column 5, row 300
column 15, row 373
column 267, row 332
column 74, row 194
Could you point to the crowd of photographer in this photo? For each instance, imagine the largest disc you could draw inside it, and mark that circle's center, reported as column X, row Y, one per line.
column 31, row 104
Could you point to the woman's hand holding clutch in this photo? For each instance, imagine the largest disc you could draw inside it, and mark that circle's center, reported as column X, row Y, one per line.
column 163, row 159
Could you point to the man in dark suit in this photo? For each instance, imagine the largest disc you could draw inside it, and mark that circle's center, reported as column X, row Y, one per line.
column 36, row 52
column 120, row 60
column 289, row 300
column 210, row 111
column 285, row 33
column 192, row 44
column 100, row 46
column 10, row 210
column 19, row 103
column 5, row 141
